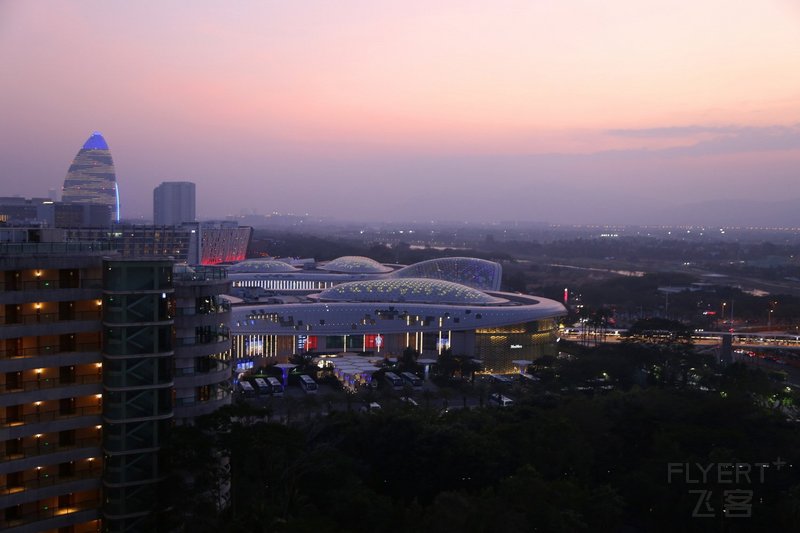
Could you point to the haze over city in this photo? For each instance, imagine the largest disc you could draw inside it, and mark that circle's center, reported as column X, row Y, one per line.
column 571, row 112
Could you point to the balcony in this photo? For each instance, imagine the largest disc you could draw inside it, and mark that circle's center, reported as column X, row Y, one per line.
column 50, row 383
column 205, row 338
column 55, row 517
column 51, row 318
column 46, row 480
column 49, row 416
column 47, row 350
column 191, row 407
column 46, row 450
column 192, row 378
column 50, row 284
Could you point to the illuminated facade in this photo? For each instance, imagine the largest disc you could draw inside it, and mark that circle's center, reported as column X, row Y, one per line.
column 385, row 316
column 91, row 178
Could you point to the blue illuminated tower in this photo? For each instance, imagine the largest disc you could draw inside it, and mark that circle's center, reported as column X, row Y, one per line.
column 91, row 178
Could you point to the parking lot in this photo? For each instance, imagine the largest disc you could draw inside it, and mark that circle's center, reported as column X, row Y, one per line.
column 295, row 403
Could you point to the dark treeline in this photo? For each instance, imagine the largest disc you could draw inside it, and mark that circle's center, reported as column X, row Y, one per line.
column 562, row 459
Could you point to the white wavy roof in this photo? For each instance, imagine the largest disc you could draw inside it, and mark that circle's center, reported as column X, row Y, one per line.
column 418, row 290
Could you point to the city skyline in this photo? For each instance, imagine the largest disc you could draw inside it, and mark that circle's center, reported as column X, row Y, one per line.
column 580, row 112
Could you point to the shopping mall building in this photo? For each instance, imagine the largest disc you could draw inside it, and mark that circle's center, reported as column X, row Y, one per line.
column 430, row 306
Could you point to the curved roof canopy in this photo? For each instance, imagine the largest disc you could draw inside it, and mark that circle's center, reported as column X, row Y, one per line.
column 417, row 290
column 261, row 265
column 470, row 271
column 355, row 264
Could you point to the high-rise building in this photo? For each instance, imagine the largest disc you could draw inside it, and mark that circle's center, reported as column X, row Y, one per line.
column 91, row 178
column 99, row 356
column 51, row 385
column 174, row 203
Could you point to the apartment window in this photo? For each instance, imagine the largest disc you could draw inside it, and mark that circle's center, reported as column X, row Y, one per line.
column 204, row 393
column 66, row 469
column 66, row 406
column 14, row 347
column 15, row 480
column 13, row 513
column 65, row 501
column 68, row 278
column 12, row 314
column 12, row 280
column 66, row 374
column 67, row 342
column 13, row 380
column 14, row 413
column 66, row 310
column 14, row 447
column 66, row 438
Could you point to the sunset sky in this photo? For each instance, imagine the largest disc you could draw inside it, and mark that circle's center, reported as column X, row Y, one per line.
column 584, row 111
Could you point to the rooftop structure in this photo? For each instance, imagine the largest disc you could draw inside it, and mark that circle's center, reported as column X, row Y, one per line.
column 354, row 264
column 417, row 290
column 470, row 271
column 262, row 265
column 258, row 277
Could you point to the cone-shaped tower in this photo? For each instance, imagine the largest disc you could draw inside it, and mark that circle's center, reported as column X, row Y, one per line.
column 91, row 178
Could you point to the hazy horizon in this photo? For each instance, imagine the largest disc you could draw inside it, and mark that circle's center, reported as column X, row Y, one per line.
column 577, row 112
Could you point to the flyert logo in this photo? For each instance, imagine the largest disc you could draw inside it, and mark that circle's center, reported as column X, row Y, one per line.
column 736, row 478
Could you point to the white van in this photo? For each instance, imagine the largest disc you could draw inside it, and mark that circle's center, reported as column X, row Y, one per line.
column 246, row 388
column 263, row 388
column 502, row 401
column 371, row 408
